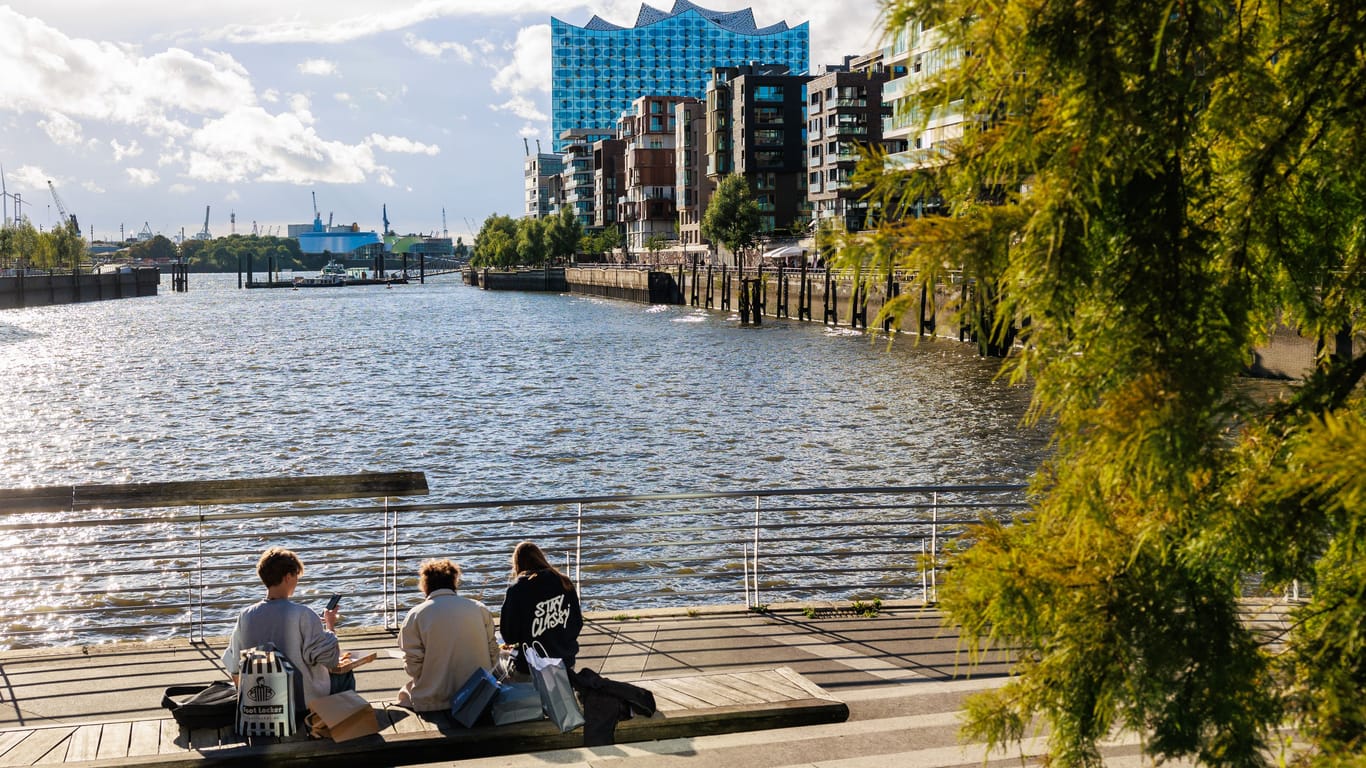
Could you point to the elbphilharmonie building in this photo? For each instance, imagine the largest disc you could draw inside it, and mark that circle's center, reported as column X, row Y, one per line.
column 598, row 69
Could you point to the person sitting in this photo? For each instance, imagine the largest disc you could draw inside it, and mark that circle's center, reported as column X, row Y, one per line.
column 310, row 643
column 541, row 606
column 444, row 640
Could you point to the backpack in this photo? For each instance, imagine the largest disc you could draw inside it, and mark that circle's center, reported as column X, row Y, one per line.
column 202, row 706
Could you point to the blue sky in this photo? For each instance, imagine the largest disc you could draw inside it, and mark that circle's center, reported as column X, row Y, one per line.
column 145, row 111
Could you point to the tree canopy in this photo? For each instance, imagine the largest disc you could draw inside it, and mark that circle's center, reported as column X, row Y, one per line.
column 732, row 216
column 1145, row 190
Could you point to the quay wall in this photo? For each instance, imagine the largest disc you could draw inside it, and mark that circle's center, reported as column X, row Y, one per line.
column 20, row 291
column 829, row 297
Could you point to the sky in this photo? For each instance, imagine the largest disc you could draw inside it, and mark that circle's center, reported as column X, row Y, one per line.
column 147, row 112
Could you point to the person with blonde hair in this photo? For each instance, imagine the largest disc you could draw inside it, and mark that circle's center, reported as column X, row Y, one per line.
column 444, row 640
column 542, row 606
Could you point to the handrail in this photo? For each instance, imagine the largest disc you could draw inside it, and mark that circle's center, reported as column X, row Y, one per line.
column 105, row 574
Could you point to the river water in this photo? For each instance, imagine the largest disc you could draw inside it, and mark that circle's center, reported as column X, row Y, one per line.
column 491, row 394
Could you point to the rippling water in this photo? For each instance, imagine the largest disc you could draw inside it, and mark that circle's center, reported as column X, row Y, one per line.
column 492, row 395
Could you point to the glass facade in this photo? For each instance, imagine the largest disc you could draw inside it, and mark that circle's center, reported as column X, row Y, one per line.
column 597, row 70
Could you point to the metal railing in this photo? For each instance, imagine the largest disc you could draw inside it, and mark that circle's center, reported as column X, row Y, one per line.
column 185, row 572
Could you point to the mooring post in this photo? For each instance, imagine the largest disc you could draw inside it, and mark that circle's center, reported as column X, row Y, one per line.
column 725, row 288
column 831, row 300
column 744, row 302
column 709, row 286
column 758, row 301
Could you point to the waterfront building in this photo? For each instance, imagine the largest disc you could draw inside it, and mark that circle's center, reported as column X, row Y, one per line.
column 609, row 179
column 844, row 118
column 756, row 127
column 917, row 59
column 646, row 205
column 693, row 188
column 538, row 171
column 577, row 190
column 599, row 68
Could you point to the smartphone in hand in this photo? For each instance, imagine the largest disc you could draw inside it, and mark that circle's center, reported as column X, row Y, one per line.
column 332, row 602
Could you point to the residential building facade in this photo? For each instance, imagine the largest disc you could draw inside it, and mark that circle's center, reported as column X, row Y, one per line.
column 917, row 58
column 541, row 179
column 577, row 187
column 693, row 188
column 758, row 115
column 844, row 118
column 609, row 180
column 599, row 68
column 646, row 206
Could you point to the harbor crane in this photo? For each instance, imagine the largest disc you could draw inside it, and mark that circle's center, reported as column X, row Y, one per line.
column 67, row 219
column 204, row 233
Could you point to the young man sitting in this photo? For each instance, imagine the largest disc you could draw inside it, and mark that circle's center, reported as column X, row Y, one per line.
column 307, row 641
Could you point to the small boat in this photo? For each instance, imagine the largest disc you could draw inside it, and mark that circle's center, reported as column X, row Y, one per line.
column 332, row 274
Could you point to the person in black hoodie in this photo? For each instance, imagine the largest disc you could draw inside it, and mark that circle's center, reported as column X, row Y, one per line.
column 541, row 606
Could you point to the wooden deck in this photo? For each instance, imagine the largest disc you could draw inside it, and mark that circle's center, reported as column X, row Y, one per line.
column 688, row 706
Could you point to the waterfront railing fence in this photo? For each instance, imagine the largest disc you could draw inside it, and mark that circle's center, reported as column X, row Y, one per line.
column 95, row 576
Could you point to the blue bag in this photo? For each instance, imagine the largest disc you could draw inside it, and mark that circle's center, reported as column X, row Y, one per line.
column 516, row 703
column 473, row 697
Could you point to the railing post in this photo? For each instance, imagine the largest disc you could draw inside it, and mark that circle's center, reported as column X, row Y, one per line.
column 934, row 546
column 389, row 576
column 578, row 553
column 198, row 604
column 756, row 551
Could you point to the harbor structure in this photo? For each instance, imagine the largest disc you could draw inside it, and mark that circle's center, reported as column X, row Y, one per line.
column 598, row 69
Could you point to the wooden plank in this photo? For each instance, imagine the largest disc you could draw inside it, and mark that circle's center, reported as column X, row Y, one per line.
column 405, row 721
column 778, row 687
column 114, row 739
column 816, row 692
column 84, row 744
column 67, row 498
column 40, row 743
column 145, row 738
column 669, row 689
column 697, row 689
column 734, row 690
column 663, row 702
column 174, row 739
column 229, row 737
column 9, row 739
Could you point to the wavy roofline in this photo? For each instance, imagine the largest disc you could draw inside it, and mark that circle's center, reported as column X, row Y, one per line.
column 739, row 22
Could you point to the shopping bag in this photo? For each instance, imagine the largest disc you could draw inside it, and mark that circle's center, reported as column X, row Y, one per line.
column 473, row 697
column 341, row 717
column 265, row 702
column 516, row 703
column 552, row 682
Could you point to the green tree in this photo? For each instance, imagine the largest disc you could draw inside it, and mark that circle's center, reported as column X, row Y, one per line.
column 20, row 244
column 496, row 243
column 654, row 244
column 732, row 216
column 65, row 247
column 158, row 248
column 1153, row 186
column 531, row 242
column 563, row 235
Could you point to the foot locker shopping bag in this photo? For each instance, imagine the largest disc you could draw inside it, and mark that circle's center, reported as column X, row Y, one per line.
column 265, row 701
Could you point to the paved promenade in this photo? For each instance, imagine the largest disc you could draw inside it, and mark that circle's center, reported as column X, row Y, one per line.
column 901, row 673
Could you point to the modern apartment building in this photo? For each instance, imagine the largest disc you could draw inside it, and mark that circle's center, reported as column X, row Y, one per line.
column 577, row 189
column 646, row 206
column 541, row 178
column 917, row 58
column 844, row 118
column 693, row 188
column 756, row 127
column 609, row 179
column 599, row 68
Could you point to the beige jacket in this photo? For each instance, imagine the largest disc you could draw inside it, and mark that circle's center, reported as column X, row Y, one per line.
column 444, row 640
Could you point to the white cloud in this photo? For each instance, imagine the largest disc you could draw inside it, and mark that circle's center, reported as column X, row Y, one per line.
column 180, row 189
column 232, row 196
column 400, row 144
column 485, row 46
column 521, row 107
column 530, row 131
column 133, row 149
column 203, row 106
column 528, row 71
column 320, row 67
column 62, row 130
column 27, row 177
column 90, row 186
column 142, row 177
column 270, row 96
column 342, row 96
column 435, row 50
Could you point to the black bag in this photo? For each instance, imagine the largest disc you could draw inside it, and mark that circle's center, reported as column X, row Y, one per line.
column 202, row 706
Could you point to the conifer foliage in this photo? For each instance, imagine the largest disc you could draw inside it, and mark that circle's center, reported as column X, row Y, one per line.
column 1143, row 191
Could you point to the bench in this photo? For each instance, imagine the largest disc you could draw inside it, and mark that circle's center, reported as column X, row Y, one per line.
column 695, row 705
